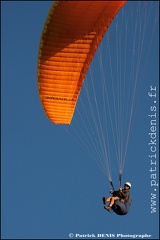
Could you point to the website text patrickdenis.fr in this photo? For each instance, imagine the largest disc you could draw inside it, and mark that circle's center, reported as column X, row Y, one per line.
column 153, row 148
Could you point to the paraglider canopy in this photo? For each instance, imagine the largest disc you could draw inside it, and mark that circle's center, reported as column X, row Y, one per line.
column 71, row 35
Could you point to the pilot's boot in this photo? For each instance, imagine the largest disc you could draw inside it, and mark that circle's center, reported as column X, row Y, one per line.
column 104, row 200
column 108, row 208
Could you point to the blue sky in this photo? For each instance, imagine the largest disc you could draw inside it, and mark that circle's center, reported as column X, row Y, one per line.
column 50, row 186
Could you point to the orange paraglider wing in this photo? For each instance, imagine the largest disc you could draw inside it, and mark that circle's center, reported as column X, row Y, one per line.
column 71, row 35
